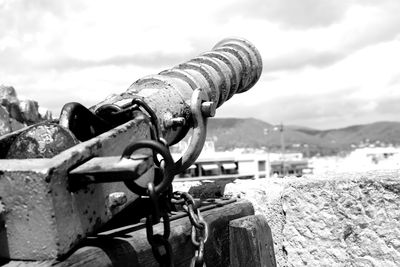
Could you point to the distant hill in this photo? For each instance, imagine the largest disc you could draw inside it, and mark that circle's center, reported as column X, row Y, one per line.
column 229, row 133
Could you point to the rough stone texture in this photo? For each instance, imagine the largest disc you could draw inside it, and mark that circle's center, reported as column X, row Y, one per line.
column 184, row 186
column 16, row 114
column 16, row 125
column 335, row 220
column 209, row 189
column 8, row 93
column 13, row 109
column 30, row 110
column 265, row 196
column 5, row 126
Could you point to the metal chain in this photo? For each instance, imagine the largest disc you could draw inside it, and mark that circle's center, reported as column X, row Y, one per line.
column 159, row 192
column 160, row 196
column 199, row 232
column 160, row 245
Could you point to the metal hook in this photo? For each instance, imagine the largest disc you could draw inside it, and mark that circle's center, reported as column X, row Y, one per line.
column 201, row 108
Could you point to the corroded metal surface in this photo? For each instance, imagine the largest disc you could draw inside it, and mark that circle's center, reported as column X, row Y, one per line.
column 44, row 140
column 233, row 66
column 42, row 218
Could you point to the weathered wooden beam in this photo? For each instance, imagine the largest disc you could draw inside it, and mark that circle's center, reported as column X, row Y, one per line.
column 127, row 247
column 251, row 242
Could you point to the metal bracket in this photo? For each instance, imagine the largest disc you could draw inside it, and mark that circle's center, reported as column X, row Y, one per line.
column 201, row 109
column 83, row 123
column 109, row 170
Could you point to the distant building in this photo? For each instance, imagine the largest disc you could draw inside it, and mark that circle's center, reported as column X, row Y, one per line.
column 243, row 163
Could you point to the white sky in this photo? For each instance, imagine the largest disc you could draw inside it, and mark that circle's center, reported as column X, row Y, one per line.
column 327, row 63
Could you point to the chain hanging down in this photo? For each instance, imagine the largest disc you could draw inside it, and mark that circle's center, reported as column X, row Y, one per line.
column 157, row 193
column 199, row 234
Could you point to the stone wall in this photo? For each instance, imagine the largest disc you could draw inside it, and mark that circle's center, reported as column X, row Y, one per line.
column 335, row 220
column 16, row 114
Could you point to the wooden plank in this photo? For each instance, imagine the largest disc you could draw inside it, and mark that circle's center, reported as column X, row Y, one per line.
column 251, row 242
column 124, row 247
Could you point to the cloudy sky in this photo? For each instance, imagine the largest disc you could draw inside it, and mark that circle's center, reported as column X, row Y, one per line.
column 327, row 63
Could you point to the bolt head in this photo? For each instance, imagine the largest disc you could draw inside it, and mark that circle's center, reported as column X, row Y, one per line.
column 174, row 122
column 208, row 108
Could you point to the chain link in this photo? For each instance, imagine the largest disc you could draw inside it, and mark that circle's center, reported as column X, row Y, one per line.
column 159, row 192
column 160, row 196
column 199, row 234
column 160, row 245
column 198, row 258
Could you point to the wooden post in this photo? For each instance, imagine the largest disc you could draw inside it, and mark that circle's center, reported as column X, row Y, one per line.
column 251, row 242
column 128, row 246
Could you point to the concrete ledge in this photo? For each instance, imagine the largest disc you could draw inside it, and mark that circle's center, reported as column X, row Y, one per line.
column 348, row 219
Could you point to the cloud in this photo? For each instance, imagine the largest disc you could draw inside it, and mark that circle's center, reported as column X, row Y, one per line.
column 291, row 13
column 361, row 25
column 321, row 111
column 19, row 16
column 144, row 60
column 389, row 105
column 83, row 51
column 302, row 58
column 395, row 80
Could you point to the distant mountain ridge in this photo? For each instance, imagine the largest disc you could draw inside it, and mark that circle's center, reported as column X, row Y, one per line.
column 230, row 133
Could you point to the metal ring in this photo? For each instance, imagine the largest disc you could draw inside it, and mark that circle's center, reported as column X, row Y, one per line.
column 153, row 117
column 154, row 130
column 159, row 241
column 156, row 146
column 154, row 201
column 199, row 133
column 204, row 238
column 193, row 217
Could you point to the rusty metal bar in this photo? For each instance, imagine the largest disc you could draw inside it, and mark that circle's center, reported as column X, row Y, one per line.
column 108, row 170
